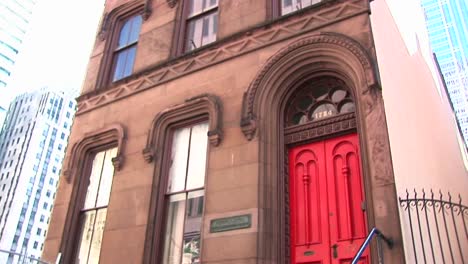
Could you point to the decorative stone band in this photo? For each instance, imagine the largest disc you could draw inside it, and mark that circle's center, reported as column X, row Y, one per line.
column 318, row 129
column 252, row 40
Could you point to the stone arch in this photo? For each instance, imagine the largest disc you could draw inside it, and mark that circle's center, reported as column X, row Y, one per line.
column 323, row 54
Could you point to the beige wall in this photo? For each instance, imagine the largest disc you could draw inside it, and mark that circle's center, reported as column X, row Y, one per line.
column 423, row 135
column 422, row 128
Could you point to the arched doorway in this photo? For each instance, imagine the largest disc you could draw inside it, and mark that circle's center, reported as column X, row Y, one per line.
column 262, row 122
column 327, row 220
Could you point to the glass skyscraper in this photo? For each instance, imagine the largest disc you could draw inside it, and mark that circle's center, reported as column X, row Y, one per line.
column 447, row 24
column 15, row 16
column 32, row 146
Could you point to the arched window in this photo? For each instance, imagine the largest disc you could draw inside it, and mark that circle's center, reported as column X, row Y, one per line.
column 125, row 50
column 318, row 99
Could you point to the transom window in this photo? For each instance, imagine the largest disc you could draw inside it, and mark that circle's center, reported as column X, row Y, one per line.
column 202, row 23
column 185, row 195
column 288, row 6
column 124, row 54
column 94, row 211
column 319, row 99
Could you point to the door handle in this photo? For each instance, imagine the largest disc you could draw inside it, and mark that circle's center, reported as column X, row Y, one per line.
column 334, row 251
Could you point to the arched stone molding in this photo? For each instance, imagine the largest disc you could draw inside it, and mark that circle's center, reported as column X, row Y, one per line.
column 205, row 104
column 323, row 54
column 113, row 134
column 202, row 107
column 330, row 51
column 76, row 173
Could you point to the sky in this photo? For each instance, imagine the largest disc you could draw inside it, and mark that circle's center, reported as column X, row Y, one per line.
column 57, row 48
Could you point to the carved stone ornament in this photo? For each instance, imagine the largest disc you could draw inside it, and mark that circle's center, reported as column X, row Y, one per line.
column 215, row 137
column 248, row 127
column 203, row 105
column 117, row 162
column 148, row 154
column 171, row 3
column 68, row 174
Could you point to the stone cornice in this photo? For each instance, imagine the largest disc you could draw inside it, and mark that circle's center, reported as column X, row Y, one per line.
column 283, row 29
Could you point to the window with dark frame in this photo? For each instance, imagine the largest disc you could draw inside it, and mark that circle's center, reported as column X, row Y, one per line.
column 289, row 6
column 94, row 210
column 125, row 50
column 201, row 24
column 185, row 195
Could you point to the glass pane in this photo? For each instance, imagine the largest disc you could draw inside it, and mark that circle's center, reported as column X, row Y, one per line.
column 119, row 65
column 299, row 118
column 106, row 178
column 347, row 108
column 135, row 29
column 194, row 34
column 320, row 92
column 178, row 162
column 124, row 34
column 197, row 160
column 199, row 6
column 196, row 6
column 323, row 111
column 96, row 242
column 131, row 52
column 304, row 103
column 338, row 95
column 94, row 178
column 174, row 232
column 86, row 235
column 192, row 230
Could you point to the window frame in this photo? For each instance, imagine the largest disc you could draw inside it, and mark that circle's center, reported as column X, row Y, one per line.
column 165, row 195
column 202, row 108
column 109, row 32
column 118, row 50
column 182, row 20
column 77, row 174
column 275, row 8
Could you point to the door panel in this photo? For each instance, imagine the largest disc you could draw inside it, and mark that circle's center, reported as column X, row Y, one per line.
column 328, row 223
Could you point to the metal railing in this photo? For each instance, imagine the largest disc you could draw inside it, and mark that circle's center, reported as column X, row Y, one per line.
column 436, row 227
column 366, row 243
column 18, row 258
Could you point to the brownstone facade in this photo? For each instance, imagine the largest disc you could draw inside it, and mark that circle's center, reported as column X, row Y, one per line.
column 241, row 84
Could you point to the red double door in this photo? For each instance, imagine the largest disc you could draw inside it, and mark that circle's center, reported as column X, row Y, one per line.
column 328, row 222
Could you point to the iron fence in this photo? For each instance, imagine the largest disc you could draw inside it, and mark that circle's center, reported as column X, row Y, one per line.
column 436, row 227
column 7, row 256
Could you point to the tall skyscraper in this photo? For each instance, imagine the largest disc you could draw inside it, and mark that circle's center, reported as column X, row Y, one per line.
column 32, row 146
column 447, row 24
column 15, row 16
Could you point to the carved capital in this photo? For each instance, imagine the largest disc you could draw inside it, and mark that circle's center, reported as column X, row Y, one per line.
column 215, row 137
column 148, row 154
column 171, row 3
column 248, row 127
column 117, row 162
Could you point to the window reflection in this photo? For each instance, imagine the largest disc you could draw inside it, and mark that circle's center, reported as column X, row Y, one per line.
column 202, row 23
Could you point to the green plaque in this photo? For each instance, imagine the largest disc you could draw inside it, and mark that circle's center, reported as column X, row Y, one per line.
column 230, row 223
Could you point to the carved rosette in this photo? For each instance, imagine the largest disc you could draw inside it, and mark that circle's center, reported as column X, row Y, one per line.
column 68, row 174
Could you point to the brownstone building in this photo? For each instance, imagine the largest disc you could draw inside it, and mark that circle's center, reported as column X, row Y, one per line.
column 248, row 131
